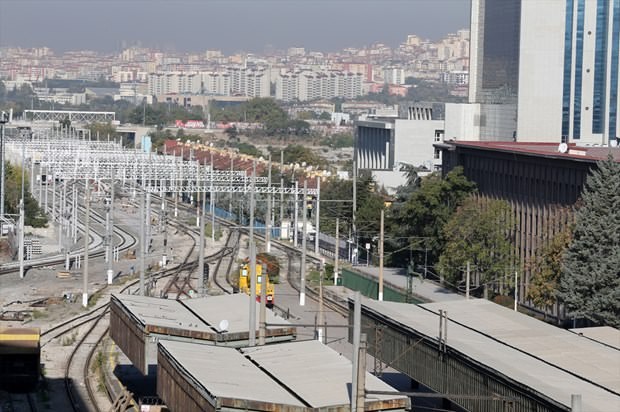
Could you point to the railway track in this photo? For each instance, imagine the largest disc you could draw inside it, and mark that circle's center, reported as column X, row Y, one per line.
column 18, row 402
column 95, row 316
column 127, row 241
column 228, row 254
column 292, row 253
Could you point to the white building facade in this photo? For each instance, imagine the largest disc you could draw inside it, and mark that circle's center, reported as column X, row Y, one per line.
column 544, row 70
column 310, row 85
column 384, row 146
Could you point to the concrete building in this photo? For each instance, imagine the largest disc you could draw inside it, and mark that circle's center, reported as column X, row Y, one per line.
column 385, row 145
column 173, row 82
column 309, row 85
column 236, row 80
column 59, row 96
column 544, row 69
column 540, row 183
column 393, row 75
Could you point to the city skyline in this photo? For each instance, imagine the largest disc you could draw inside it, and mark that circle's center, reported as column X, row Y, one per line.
column 192, row 25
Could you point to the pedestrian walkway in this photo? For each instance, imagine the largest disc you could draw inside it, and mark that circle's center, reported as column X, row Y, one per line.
column 426, row 289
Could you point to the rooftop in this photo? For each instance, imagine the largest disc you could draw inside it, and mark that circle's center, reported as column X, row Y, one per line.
column 305, row 374
column 199, row 318
column 605, row 335
column 226, row 373
column 499, row 358
column 585, row 358
column 326, row 376
column 550, row 149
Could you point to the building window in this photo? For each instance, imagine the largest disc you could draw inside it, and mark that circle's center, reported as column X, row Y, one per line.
column 600, row 54
column 578, row 70
column 613, row 100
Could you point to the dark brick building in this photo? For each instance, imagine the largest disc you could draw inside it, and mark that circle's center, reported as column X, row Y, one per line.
column 540, row 183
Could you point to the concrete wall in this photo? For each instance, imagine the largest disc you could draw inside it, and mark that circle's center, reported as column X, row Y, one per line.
column 541, row 71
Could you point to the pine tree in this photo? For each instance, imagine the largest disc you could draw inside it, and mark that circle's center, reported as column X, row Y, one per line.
column 590, row 282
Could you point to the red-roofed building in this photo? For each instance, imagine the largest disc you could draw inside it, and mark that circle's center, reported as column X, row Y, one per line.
column 540, row 181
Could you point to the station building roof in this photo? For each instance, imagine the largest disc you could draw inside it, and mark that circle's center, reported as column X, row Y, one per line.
column 318, row 374
column 291, row 376
column 199, row 318
column 544, row 149
column 603, row 334
column 225, row 373
column 584, row 358
column 526, row 370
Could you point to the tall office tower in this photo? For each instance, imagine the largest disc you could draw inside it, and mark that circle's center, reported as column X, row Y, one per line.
column 545, row 70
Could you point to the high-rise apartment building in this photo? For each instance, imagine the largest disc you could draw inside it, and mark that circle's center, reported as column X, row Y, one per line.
column 544, row 70
column 394, row 75
column 307, row 85
column 239, row 81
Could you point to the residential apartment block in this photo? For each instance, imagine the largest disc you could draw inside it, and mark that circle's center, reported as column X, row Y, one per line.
column 233, row 81
column 304, row 86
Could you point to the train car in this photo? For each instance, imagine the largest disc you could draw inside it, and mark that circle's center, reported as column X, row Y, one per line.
column 20, row 357
column 244, row 283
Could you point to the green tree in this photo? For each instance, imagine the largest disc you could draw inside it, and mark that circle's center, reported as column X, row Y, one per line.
column 416, row 220
column 590, row 282
column 102, row 130
column 13, row 184
column 547, row 269
column 325, row 116
column 232, row 133
column 479, row 233
column 300, row 154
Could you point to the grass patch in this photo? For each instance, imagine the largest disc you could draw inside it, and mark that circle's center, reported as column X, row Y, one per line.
column 69, row 340
column 97, row 369
column 38, row 314
column 94, row 298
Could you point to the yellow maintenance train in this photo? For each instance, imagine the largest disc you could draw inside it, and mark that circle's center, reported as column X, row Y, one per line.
column 244, row 283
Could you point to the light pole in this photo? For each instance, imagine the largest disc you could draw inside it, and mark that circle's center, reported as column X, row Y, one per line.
column 4, row 119
column 211, row 200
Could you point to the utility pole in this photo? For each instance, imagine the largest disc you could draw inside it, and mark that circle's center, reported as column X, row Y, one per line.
column 211, row 199
column 354, row 211
column 337, row 252
column 147, row 244
column 268, row 217
column 516, row 291
column 281, row 190
column 302, row 286
column 142, row 243
column 45, row 209
column 21, row 238
column 111, row 233
column 381, row 258
column 86, row 244
column 361, row 375
column 74, row 211
column 318, row 210
column 164, row 216
column 201, row 251
column 230, row 195
column 296, row 197
column 467, row 281
column 575, row 403
column 3, row 120
column 252, row 328
column 321, row 322
column 22, row 217
column 357, row 330
column 262, row 318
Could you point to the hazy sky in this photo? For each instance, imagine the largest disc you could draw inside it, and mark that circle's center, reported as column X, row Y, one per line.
column 228, row 25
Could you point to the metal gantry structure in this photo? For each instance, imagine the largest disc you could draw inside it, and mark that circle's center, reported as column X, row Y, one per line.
column 69, row 157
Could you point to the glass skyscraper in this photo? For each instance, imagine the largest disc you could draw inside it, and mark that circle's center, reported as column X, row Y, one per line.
column 545, row 70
